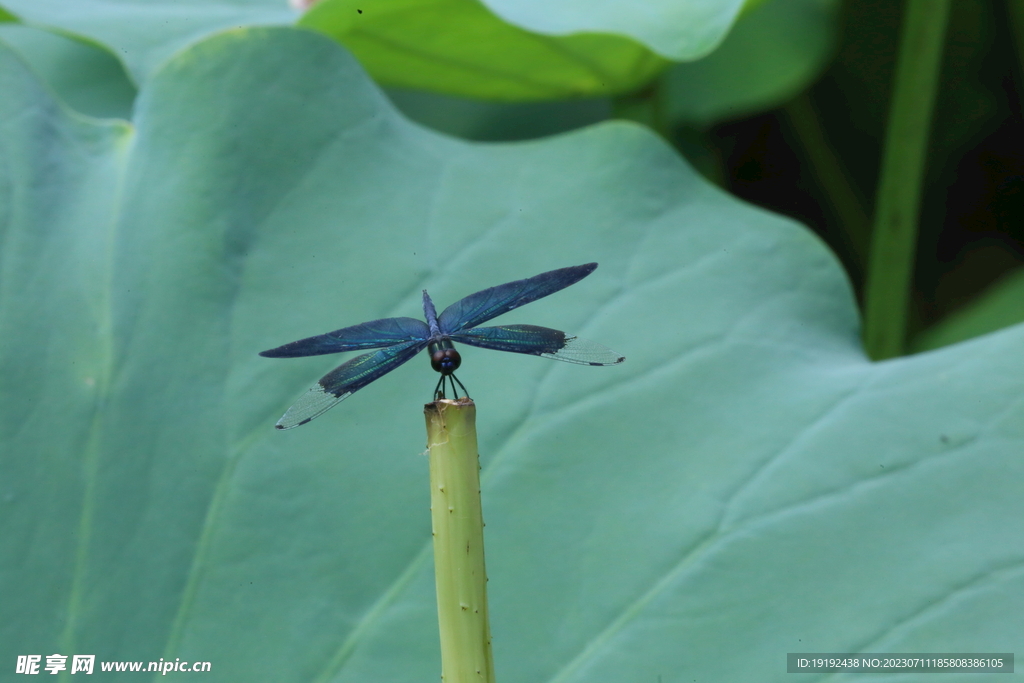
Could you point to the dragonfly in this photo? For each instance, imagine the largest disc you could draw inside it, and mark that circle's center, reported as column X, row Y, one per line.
column 399, row 339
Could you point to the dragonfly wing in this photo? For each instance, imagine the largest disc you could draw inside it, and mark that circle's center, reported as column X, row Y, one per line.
column 345, row 380
column 372, row 335
column 490, row 303
column 539, row 341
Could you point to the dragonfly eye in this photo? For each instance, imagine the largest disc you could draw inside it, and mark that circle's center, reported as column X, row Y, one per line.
column 445, row 361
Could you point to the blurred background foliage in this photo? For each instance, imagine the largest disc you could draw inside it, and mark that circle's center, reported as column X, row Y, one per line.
column 789, row 113
column 783, row 104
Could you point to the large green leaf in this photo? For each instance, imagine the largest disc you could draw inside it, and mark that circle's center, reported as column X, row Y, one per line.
column 676, row 29
column 86, row 77
column 144, row 33
column 498, row 121
column 776, row 50
column 460, row 47
column 508, row 51
column 500, row 51
column 746, row 484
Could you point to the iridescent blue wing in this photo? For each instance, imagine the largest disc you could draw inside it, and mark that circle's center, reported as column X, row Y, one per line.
column 490, row 303
column 372, row 335
column 539, row 341
column 345, row 380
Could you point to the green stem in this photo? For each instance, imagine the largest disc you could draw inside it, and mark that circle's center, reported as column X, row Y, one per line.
column 894, row 237
column 829, row 172
column 1015, row 9
column 458, row 527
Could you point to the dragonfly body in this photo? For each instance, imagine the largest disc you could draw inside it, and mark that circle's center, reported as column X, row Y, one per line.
column 399, row 339
column 443, row 356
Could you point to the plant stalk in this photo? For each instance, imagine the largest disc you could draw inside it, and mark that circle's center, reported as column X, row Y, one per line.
column 828, row 170
column 1015, row 9
column 458, row 528
column 894, row 238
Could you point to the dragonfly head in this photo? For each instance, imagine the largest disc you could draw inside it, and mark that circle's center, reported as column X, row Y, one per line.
column 443, row 357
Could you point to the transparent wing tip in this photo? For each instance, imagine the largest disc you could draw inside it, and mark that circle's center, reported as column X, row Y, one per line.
column 313, row 403
column 585, row 352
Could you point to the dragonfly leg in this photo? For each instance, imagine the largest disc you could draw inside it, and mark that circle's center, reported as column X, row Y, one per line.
column 439, row 390
column 464, row 390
